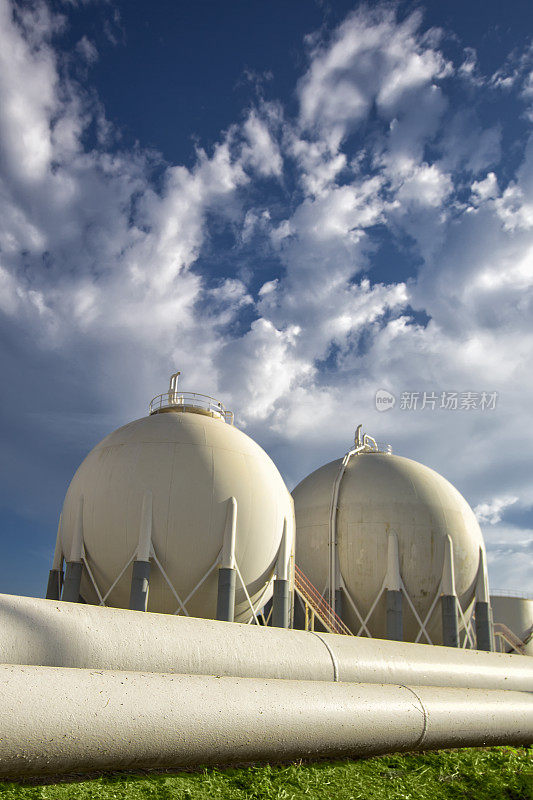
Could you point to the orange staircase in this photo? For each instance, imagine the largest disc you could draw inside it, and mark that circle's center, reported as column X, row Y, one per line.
column 317, row 606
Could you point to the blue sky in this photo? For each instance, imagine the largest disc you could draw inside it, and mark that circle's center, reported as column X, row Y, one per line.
column 296, row 204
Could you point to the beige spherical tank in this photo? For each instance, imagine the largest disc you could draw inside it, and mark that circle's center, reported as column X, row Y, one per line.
column 192, row 462
column 379, row 493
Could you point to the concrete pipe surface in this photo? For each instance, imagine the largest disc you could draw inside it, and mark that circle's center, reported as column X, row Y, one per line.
column 56, row 720
column 59, row 634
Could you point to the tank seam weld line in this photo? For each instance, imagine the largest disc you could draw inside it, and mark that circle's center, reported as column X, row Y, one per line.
column 332, row 654
column 424, row 711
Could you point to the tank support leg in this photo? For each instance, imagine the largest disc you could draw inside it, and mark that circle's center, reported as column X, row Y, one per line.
column 448, row 600
column 450, row 623
column 74, row 570
column 484, row 629
column 226, row 594
column 339, row 601
column 72, row 585
column 281, row 604
column 483, row 610
column 394, row 615
column 140, row 584
column 281, row 601
column 55, row 584
column 55, row 578
column 393, row 585
column 227, row 572
column 140, row 579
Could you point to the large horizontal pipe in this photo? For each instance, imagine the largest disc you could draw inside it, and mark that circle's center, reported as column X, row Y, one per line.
column 54, row 633
column 55, row 720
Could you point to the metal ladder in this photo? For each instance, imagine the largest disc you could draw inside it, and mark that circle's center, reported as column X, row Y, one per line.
column 316, row 606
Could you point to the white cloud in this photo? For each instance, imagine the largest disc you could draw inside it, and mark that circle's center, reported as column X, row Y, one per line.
column 261, row 151
column 514, row 209
column 28, row 83
column 264, row 367
column 318, row 167
column 515, row 72
column 105, row 286
column 469, row 68
column 509, row 557
column 94, row 260
column 9, row 293
column 486, row 189
column 371, row 58
column 268, row 287
column 491, row 511
column 426, row 186
column 467, row 145
column 87, row 50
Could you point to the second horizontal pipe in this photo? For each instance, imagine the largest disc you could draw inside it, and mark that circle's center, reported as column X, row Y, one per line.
column 56, row 720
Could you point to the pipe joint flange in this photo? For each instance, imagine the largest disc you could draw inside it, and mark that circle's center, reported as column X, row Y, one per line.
column 332, row 656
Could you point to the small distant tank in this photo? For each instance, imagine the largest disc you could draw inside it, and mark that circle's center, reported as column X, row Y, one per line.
column 179, row 488
column 513, row 622
column 383, row 537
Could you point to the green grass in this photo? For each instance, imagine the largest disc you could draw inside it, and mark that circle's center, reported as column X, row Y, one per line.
column 499, row 773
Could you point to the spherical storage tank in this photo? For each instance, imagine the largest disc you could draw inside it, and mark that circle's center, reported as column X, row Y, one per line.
column 379, row 493
column 192, row 460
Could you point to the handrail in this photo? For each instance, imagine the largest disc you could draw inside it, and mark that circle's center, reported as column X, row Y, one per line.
column 384, row 448
column 505, row 633
column 511, row 593
column 185, row 401
column 319, row 605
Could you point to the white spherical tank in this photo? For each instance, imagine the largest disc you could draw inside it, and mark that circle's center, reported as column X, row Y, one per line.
column 381, row 493
column 192, row 462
